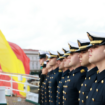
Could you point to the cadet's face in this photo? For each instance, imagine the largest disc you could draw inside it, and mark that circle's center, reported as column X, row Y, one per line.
column 61, row 65
column 74, row 59
column 53, row 61
column 84, row 58
column 41, row 61
column 96, row 54
column 67, row 61
column 48, row 65
column 58, row 62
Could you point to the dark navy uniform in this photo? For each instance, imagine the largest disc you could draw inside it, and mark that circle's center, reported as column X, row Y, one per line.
column 96, row 95
column 73, row 85
column 86, row 85
column 42, row 93
column 53, row 83
column 42, row 78
column 60, row 87
column 46, row 93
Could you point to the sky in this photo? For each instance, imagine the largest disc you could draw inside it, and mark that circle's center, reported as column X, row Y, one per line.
column 50, row 24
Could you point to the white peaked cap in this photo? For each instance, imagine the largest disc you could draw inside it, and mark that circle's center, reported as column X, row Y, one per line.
column 61, row 52
column 74, row 44
column 42, row 52
column 84, row 40
column 48, row 55
column 53, row 52
column 97, row 34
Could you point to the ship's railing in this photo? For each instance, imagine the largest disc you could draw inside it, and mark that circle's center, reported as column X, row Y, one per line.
column 33, row 84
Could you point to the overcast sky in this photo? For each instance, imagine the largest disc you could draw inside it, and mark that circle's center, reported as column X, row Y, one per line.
column 50, row 24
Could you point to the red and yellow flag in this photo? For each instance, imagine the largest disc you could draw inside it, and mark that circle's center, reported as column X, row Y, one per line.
column 13, row 60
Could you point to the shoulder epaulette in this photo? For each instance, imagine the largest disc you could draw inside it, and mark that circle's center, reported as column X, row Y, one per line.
column 82, row 71
column 97, row 71
column 60, row 71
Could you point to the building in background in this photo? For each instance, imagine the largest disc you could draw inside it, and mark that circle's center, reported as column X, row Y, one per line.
column 34, row 59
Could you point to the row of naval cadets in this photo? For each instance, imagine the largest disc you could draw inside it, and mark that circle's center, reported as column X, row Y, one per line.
column 76, row 77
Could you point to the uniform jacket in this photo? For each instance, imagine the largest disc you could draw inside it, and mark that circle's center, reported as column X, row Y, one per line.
column 53, row 83
column 86, row 85
column 72, row 86
column 96, row 95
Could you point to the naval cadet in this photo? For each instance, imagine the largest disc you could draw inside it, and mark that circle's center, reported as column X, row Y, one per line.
column 42, row 76
column 73, row 84
column 96, row 95
column 46, row 82
column 45, row 71
column 65, row 73
column 56, row 77
column 91, row 73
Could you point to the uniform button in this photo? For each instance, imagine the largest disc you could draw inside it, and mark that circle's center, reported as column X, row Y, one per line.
column 85, row 78
column 102, row 81
column 89, row 78
column 65, row 99
column 82, row 101
column 96, row 90
column 45, row 100
column 86, row 97
column 79, row 92
column 58, row 102
column 65, row 86
column 93, row 99
column 68, row 80
column 82, row 84
column 83, row 93
column 67, row 76
column 73, row 74
column 95, row 81
column 58, row 97
column 85, row 85
column 78, row 99
column 90, row 89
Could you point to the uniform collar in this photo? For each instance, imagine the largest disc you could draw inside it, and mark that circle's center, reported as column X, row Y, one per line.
column 65, row 73
column 100, row 76
column 79, row 69
column 50, row 72
column 91, row 72
column 71, row 72
column 56, row 70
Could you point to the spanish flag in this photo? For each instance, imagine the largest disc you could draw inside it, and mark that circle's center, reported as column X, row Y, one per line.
column 13, row 60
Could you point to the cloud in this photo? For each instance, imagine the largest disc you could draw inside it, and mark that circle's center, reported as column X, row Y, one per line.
column 49, row 25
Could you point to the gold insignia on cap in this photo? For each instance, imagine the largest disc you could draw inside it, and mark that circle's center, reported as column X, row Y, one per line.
column 90, row 38
column 82, row 71
column 63, row 50
column 38, row 53
column 79, row 44
column 58, row 53
column 69, row 46
column 50, row 53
